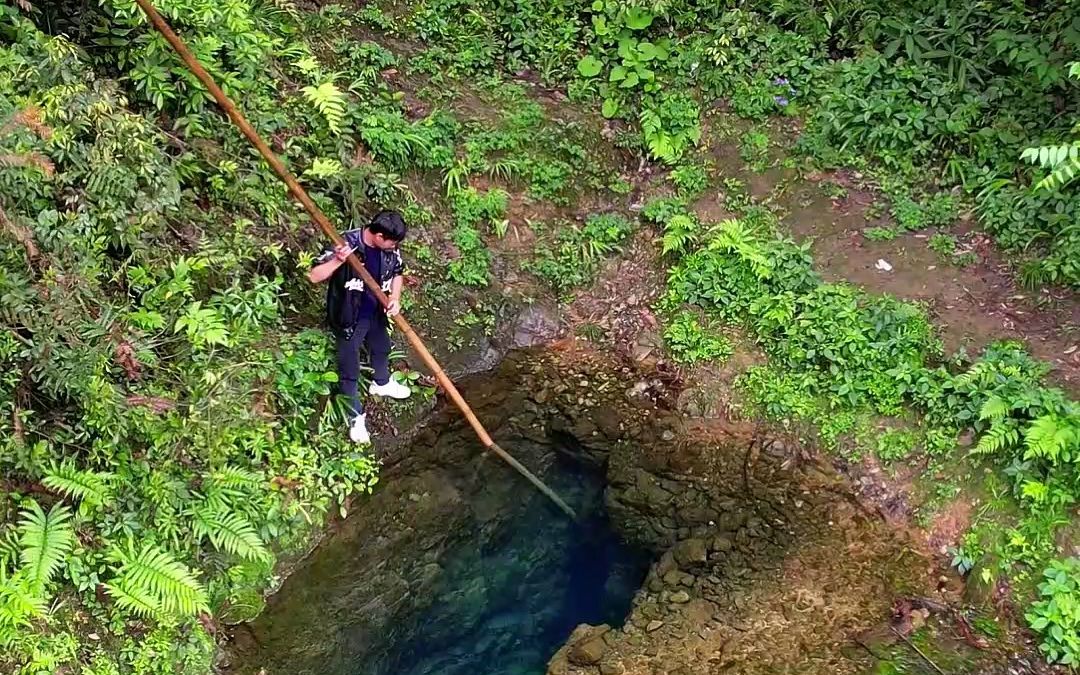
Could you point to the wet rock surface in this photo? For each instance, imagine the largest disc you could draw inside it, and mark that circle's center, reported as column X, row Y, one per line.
column 763, row 561
column 538, row 324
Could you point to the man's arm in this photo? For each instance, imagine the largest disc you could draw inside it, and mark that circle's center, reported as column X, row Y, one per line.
column 324, row 270
column 393, row 308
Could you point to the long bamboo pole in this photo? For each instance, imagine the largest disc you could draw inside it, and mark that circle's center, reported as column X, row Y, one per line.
column 324, row 223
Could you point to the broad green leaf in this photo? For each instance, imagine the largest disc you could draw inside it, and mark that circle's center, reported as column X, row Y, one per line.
column 638, row 18
column 610, row 108
column 647, row 51
column 590, row 66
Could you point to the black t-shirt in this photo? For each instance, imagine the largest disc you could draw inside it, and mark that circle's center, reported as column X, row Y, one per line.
column 347, row 298
column 369, row 304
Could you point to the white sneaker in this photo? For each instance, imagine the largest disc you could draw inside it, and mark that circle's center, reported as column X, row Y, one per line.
column 358, row 432
column 393, row 389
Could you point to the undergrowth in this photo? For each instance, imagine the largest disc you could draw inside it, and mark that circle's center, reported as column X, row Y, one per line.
column 837, row 354
column 164, row 421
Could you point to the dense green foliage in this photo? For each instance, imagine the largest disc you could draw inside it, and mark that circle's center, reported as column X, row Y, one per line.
column 575, row 255
column 1057, row 614
column 164, row 414
column 164, row 426
column 927, row 94
column 835, row 352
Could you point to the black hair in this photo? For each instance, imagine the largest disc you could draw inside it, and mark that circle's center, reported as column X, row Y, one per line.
column 389, row 224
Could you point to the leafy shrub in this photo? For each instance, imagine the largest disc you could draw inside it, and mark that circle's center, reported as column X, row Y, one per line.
column 895, row 444
column 757, row 64
column 671, row 125
column 938, row 210
column 472, row 207
column 691, row 179
column 736, row 267
column 472, row 265
column 899, row 113
column 690, row 342
column 577, row 252
column 942, row 244
column 782, row 395
column 401, row 144
column 164, row 391
column 661, row 209
column 1056, row 617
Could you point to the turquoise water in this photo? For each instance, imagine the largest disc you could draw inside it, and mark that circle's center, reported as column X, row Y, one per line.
column 508, row 600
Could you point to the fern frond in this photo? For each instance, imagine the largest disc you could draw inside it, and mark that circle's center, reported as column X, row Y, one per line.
column 286, row 6
column 232, row 477
column 19, row 603
column 995, row 408
column 231, row 532
column 680, row 231
column 979, row 373
column 1000, row 436
column 735, row 237
column 134, row 599
column 330, row 102
column 153, row 581
column 1051, row 437
column 87, row 486
column 10, row 548
column 1063, row 162
column 46, row 539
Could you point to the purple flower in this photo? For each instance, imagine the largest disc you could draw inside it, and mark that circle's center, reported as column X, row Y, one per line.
column 780, row 101
column 780, row 81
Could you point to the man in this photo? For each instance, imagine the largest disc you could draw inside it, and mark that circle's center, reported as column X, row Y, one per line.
column 355, row 314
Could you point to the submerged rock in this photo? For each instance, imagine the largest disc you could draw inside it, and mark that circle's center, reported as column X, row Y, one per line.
column 691, row 552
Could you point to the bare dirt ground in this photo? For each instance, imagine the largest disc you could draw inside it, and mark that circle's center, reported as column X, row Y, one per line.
column 972, row 306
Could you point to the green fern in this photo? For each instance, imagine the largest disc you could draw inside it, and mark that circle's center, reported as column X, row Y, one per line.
column 46, row 539
column 733, row 236
column 995, row 408
column 661, row 144
column 87, row 486
column 330, row 102
column 19, row 603
column 1062, row 161
column 10, row 548
column 1051, row 437
column 152, row 583
column 230, row 531
column 235, row 478
column 1000, row 436
column 680, row 233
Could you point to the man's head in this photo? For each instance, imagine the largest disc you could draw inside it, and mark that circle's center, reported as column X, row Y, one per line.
column 386, row 230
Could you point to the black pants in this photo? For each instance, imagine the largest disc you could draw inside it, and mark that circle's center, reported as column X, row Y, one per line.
column 375, row 334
